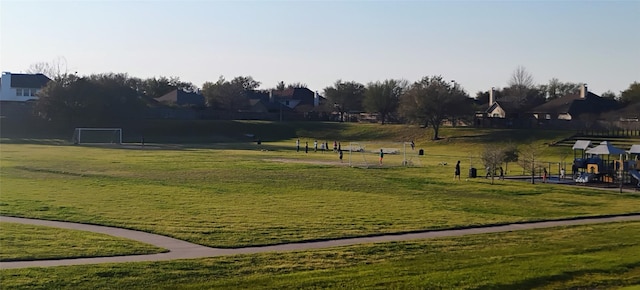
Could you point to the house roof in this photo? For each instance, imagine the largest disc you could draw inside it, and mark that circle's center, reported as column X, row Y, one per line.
column 630, row 111
column 29, row 80
column 507, row 106
column 574, row 105
column 181, row 97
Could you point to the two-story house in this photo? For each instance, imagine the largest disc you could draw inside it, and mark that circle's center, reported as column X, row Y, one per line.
column 21, row 87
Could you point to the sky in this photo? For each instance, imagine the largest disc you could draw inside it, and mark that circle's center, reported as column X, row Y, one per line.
column 476, row 43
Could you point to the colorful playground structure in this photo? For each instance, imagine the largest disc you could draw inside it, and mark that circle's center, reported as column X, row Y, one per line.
column 605, row 163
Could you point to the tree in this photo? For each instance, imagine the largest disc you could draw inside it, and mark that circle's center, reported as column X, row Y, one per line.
column 430, row 101
column 297, row 85
column 556, row 89
column 609, row 94
column 281, row 86
column 383, row 97
column 54, row 69
column 229, row 95
column 95, row 100
column 492, row 158
column 157, row 87
column 344, row 96
column 510, row 155
column 528, row 160
column 631, row 95
column 520, row 85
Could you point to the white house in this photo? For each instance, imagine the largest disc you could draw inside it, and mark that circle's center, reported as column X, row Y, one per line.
column 21, row 87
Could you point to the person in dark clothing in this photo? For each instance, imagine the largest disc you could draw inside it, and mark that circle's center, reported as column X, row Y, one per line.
column 457, row 173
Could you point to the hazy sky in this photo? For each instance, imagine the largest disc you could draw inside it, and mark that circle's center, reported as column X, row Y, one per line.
column 476, row 43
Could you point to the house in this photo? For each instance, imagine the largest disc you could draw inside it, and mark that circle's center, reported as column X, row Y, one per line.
column 296, row 98
column 181, row 98
column 571, row 106
column 21, row 87
column 503, row 109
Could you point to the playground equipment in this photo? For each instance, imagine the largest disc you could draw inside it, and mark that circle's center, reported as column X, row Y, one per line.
column 604, row 162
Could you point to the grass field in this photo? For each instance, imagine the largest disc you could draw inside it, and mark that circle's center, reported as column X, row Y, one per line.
column 579, row 257
column 239, row 194
column 28, row 242
column 230, row 195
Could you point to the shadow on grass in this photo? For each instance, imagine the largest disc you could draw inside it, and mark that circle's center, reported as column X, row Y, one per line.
column 570, row 275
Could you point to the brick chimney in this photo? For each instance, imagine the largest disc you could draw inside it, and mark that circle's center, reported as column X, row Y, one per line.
column 491, row 97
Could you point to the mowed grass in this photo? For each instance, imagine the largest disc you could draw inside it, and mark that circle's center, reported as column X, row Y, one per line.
column 20, row 242
column 232, row 195
column 604, row 256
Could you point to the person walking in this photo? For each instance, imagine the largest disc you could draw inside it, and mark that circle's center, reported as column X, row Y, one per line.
column 298, row 145
column 413, row 145
column 488, row 172
column 340, row 155
column 457, row 173
column 544, row 175
column 381, row 156
column 562, row 173
column 501, row 173
column 315, row 145
column 306, row 147
column 335, row 146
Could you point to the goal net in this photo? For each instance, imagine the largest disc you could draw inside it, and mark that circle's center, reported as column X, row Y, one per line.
column 97, row 136
column 394, row 154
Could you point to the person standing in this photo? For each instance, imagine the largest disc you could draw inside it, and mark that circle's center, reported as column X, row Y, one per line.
column 306, row 147
column 315, row 145
column 381, row 155
column 562, row 173
column 413, row 146
column 501, row 173
column 335, row 146
column 457, row 173
column 298, row 145
column 544, row 175
column 340, row 155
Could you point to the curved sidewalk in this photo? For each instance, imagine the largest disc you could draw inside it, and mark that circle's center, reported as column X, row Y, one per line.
column 179, row 249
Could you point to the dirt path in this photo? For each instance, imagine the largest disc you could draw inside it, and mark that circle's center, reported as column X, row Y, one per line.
column 179, row 249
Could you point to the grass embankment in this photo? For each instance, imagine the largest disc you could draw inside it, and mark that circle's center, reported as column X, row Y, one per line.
column 226, row 197
column 579, row 257
column 19, row 242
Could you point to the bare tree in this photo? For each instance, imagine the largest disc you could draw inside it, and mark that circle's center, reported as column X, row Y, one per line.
column 528, row 160
column 520, row 84
column 492, row 158
column 55, row 69
column 521, row 78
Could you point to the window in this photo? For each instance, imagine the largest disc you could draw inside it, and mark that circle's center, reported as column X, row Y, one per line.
column 548, row 116
column 33, row 92
column 19, row 92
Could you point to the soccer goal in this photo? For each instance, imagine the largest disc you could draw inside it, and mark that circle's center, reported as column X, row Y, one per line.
column 395, row 154
column 97, row 136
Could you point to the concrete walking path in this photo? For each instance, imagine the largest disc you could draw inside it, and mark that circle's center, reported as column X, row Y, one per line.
column 179, row 249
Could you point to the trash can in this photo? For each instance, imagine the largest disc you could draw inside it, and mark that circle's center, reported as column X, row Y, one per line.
column 421, row 152
column 473, row 173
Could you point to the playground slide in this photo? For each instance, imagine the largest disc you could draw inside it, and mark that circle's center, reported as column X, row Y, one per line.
column 635, row 175
column 584, row 177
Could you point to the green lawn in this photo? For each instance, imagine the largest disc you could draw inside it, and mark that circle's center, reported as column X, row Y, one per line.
column 605, row 256
column 19, row 242
column 230, row 195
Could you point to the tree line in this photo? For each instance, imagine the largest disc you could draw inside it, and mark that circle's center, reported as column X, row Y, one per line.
column 429, row 102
